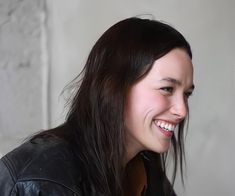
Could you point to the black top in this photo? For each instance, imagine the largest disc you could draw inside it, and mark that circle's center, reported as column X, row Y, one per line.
column 44, row 166
column 47, row 166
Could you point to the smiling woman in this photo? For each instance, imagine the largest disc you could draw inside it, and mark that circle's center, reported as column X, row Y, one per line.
column 158, row 103
column 122, row 120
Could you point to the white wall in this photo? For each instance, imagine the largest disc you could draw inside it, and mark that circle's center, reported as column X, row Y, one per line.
column 209, row 26
column 22, row 63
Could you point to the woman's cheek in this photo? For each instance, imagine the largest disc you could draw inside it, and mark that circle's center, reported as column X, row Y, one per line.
column 160, row 102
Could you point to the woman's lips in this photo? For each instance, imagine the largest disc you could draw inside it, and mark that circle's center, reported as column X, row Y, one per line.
column 165, row 127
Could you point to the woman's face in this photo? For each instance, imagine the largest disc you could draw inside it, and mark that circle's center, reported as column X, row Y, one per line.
column 158, row 103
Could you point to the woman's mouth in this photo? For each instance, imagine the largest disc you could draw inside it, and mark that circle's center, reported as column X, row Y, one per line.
column 165, row 127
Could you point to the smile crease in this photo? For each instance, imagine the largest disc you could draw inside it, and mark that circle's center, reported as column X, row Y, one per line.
column 165, row 125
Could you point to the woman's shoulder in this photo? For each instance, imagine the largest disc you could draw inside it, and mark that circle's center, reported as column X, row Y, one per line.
column 43, row 160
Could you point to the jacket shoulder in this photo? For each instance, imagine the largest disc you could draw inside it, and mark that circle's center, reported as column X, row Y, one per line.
column 43, row 164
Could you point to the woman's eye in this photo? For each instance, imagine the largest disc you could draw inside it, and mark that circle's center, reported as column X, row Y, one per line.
column 167, row 89
column 188, row 94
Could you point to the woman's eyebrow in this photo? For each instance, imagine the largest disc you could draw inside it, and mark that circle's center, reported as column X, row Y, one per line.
column 171, row 80
column 175, row 81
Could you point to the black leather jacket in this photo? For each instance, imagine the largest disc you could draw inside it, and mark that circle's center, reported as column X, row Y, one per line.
column 42, row 167
column 45, row 167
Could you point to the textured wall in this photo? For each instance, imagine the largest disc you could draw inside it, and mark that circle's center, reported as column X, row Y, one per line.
column 21, row 66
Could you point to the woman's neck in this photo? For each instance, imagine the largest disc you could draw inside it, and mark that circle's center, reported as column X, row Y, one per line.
column 135, row 180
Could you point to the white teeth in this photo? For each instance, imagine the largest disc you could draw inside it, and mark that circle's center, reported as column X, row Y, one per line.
column 170, row 127
column 166, row 126
column 158, row 123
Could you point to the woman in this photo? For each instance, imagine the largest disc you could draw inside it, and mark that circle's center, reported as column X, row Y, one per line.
column 129, row 109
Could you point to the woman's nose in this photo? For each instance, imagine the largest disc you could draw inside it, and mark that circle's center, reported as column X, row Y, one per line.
column 179, row 108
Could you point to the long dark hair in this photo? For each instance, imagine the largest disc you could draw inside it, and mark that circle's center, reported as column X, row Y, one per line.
column 122, row 56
